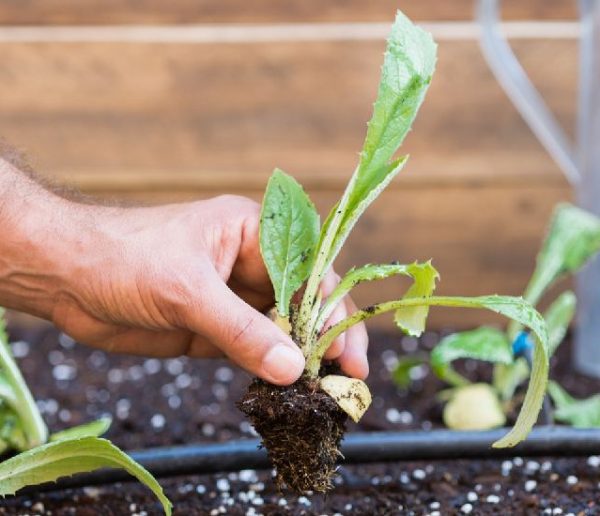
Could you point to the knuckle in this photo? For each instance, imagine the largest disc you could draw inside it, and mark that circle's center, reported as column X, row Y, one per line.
column 242, row 203
column 175, row 296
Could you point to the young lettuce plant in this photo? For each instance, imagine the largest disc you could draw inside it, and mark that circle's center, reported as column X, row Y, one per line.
column 43, row 457
column 301, row 426
column 572, row 239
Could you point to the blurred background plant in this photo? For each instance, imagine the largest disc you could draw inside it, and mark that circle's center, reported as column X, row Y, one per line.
column 573, row 238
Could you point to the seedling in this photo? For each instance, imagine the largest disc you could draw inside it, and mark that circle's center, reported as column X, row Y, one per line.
column 43, row 457
column 301, row 426
column 572, row 239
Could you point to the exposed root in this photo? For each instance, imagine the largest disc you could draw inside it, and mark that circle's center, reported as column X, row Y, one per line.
column 301, row 428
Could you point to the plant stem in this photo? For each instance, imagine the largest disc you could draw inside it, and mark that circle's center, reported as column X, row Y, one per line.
column 314, row 360
column 312, row 328
column 323, row 343
column 539, row 282
column 24, row 405
column 305, row 329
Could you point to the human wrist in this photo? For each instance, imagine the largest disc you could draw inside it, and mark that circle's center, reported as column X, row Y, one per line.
column 40, row 249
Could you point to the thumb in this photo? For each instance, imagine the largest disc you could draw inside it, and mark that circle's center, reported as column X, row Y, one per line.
column 247, row 337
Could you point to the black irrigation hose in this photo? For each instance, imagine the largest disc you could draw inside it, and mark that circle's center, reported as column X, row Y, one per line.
column 357, row 448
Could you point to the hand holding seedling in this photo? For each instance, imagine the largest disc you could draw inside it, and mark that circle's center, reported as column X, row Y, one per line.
column 189, row 278
column 163, row 281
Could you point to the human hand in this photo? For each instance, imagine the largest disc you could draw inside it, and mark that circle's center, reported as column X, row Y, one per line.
column 185, row 279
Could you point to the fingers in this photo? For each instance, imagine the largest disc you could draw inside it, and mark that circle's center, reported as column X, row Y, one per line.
column 338, row 345
column 258, row 300
column 245, row 335
column 86, row 329
column 161, row 344
column 249, row 268
column 353, row 359
column 330, row 281
column 350, row 348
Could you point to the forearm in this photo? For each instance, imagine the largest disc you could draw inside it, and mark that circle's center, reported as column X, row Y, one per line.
column 40, row 239
column 167, row 280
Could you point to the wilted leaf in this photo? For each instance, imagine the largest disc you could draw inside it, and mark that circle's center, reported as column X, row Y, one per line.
column 423, row 274
column 507, row 377
column 412, row 320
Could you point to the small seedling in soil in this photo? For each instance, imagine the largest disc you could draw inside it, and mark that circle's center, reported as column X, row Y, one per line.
column 302, row 425
column 572, row 239
column 42, row 457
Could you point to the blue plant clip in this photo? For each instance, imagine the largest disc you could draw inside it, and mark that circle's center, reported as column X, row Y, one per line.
column 522, row 345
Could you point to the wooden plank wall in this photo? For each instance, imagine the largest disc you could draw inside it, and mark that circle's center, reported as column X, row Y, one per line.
column 165, row 101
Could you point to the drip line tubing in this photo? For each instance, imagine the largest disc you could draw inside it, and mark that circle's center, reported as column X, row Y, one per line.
column 357, row 448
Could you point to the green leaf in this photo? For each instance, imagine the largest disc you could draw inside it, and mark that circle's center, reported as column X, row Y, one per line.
column 512, row 307
column 51, row 461
column 558, row 318
column 408, row 66
column 11, row 430
column 421, row 273
column 91, row 429
column 354, row 203
column 572, row 239
column 289, row 231
column 6, row 392
column 507, row 377
column 487, row 344
column 412, row 320
column 578, row 413
column 401, row 374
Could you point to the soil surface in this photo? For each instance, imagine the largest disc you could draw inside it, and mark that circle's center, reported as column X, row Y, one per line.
column 177, row 401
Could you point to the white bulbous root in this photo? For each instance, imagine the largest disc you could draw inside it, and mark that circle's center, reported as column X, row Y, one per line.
column 352, row 395
column 474, row 407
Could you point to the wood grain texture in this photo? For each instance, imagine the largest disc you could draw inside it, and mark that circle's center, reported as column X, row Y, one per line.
column 260, row 11
column 159, row 123
column 217, row 115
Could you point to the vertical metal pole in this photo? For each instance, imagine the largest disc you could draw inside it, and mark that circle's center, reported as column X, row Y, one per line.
column 587, row 336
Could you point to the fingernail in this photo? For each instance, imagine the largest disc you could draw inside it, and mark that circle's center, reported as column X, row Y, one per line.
column 283, row 364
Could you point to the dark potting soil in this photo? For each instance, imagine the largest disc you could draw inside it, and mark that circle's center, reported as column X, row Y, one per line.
column 159, row 402
column 301, row 427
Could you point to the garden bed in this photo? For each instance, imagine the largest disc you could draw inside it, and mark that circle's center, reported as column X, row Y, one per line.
column 180, row 401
